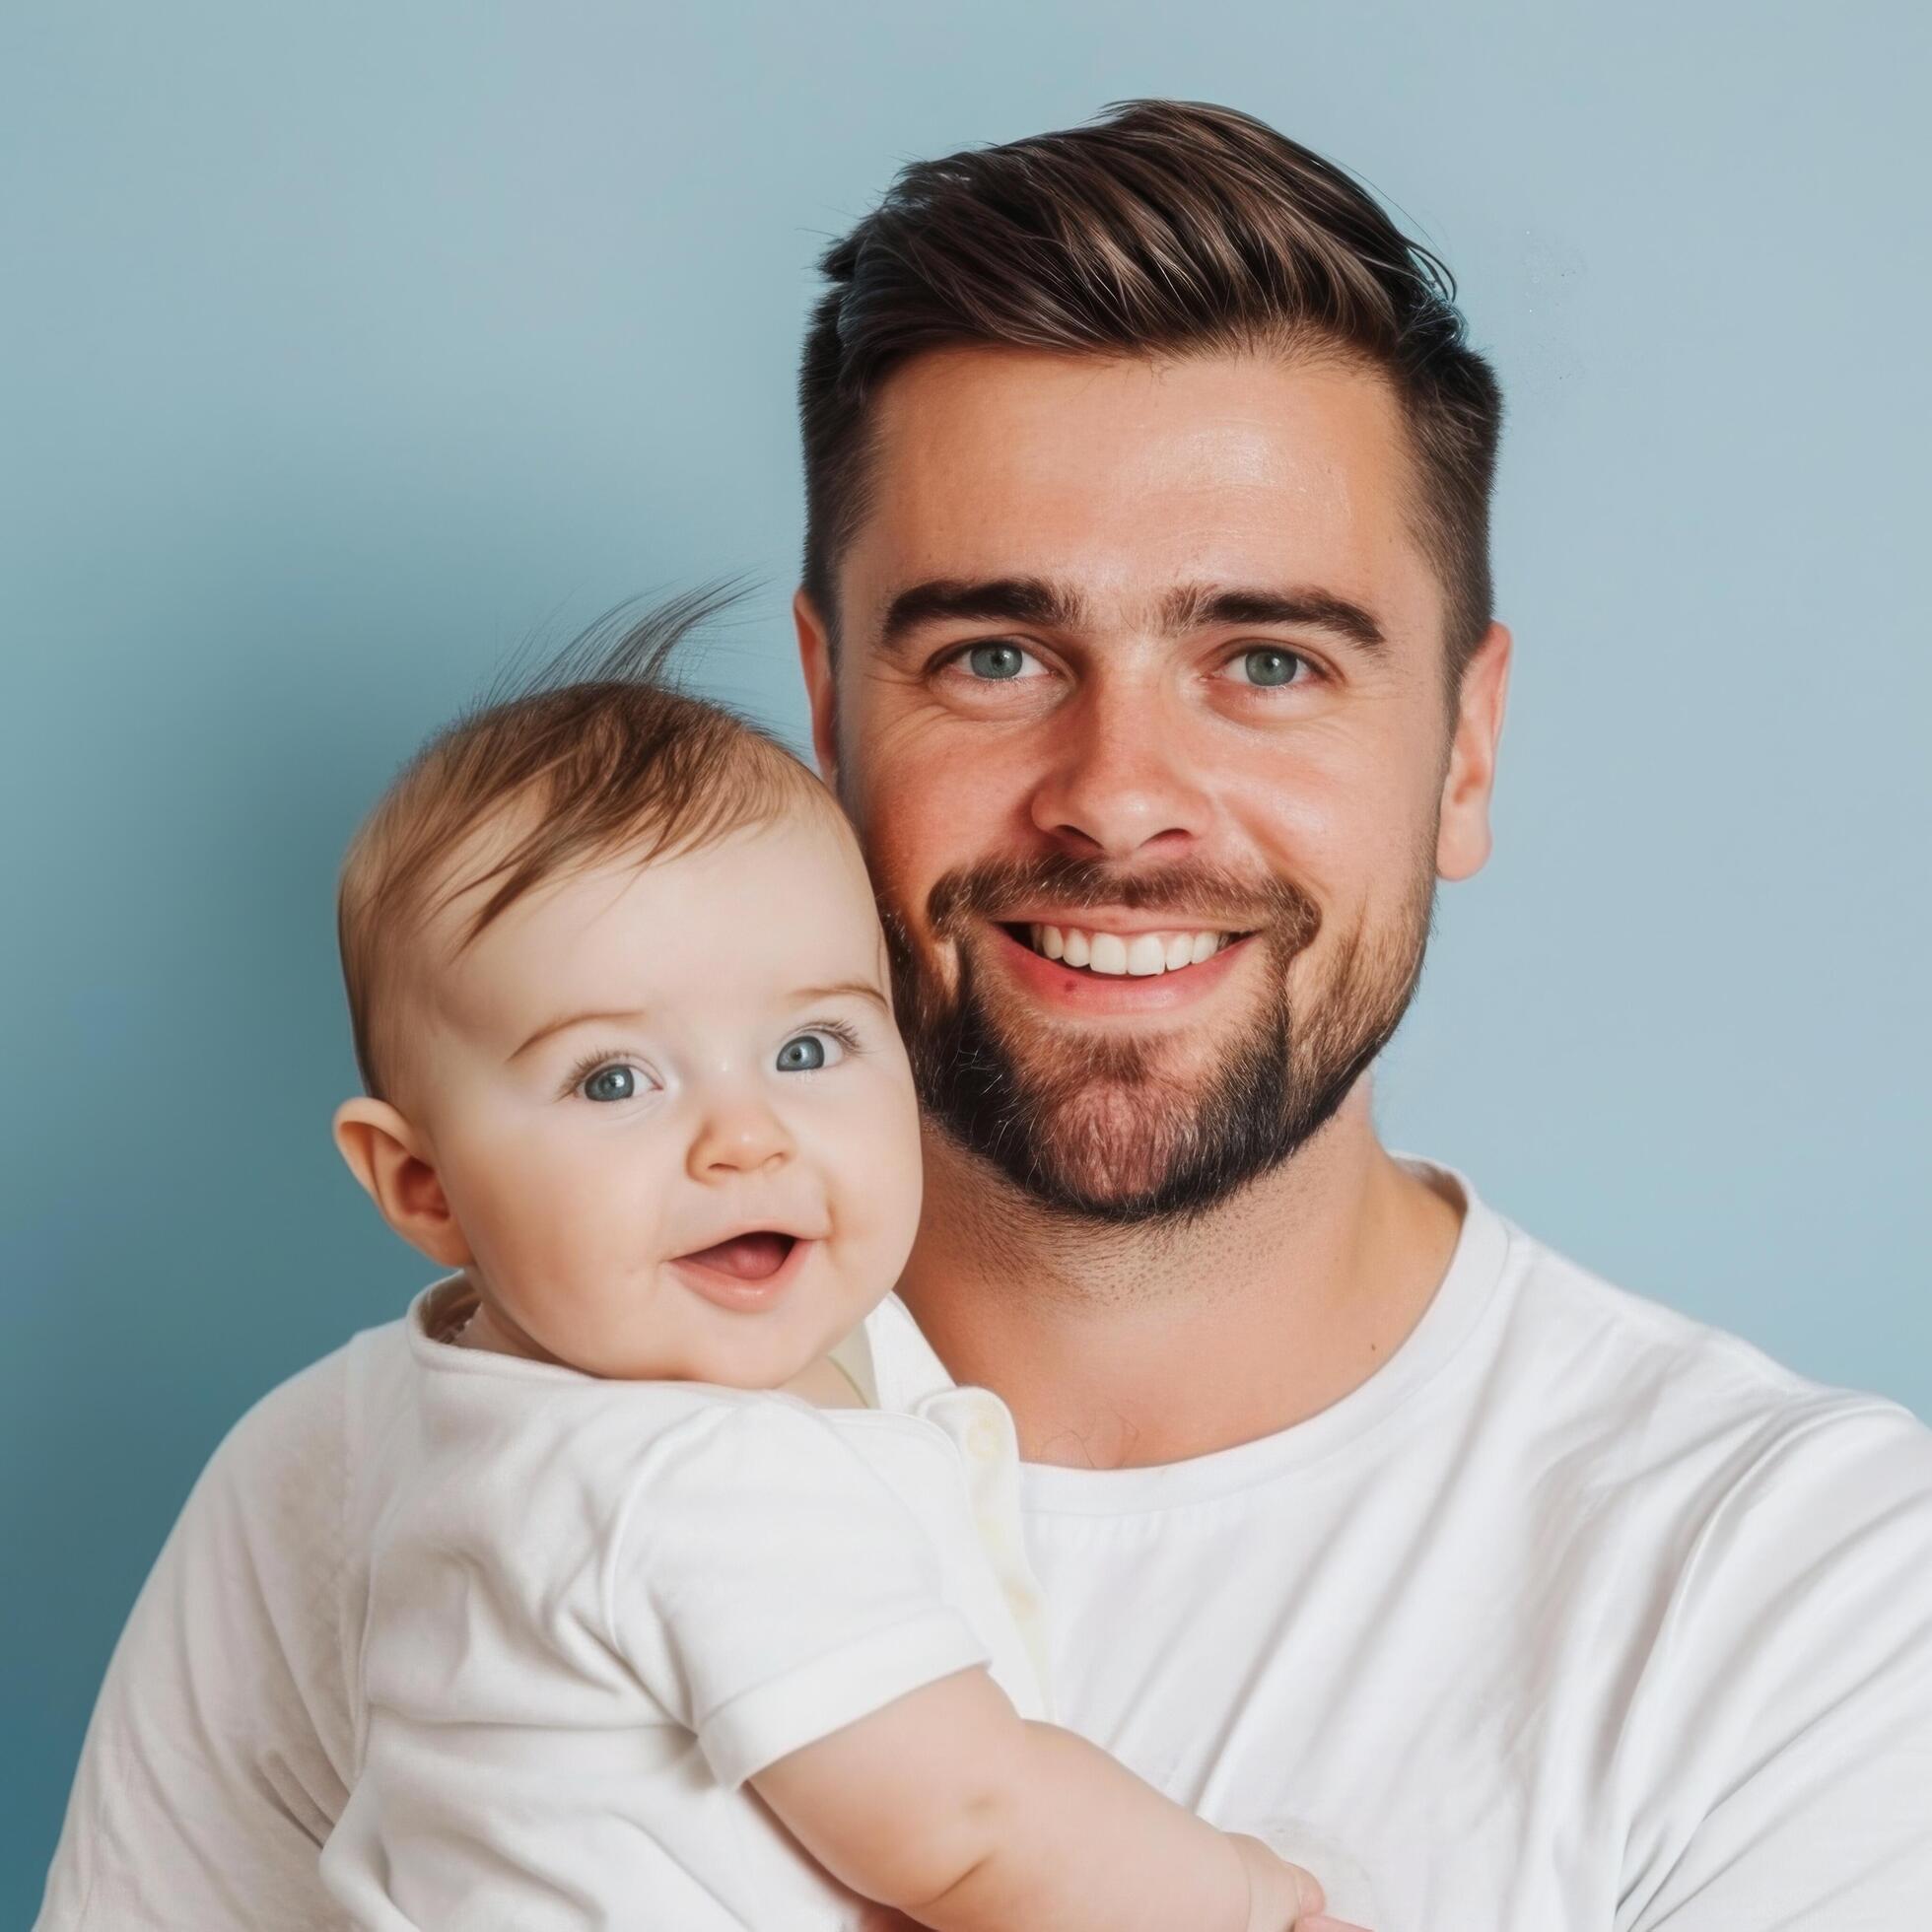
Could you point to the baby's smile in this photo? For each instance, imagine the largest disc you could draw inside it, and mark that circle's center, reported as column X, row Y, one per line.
column 746, row 1271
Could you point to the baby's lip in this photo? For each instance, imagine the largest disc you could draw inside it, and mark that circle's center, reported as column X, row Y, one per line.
column 755, row 1255
column 781, row 1232
column 747, row 1272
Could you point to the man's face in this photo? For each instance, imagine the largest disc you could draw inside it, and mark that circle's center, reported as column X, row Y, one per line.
column 1139, row 705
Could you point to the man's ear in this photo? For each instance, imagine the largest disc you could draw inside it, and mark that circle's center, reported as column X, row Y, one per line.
column 387, row 1156
column 815, row 661
column 1463, row 838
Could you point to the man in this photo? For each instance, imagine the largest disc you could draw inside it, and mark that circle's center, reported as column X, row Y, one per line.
column 1146, row 623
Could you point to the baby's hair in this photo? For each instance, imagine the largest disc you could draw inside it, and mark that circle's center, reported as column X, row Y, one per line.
column 606, row 755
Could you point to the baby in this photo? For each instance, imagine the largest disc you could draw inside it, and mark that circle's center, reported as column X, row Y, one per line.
column 668, row 1619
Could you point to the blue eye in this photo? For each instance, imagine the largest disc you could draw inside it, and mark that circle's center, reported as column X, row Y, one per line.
column 1266, row 665
column 807, row 1053
column 996, row 661
column 610, row 1083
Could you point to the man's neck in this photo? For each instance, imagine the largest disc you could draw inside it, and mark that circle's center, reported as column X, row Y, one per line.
column 1118, row 1348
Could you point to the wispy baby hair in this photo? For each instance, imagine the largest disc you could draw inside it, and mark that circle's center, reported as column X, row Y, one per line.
column 598, row 753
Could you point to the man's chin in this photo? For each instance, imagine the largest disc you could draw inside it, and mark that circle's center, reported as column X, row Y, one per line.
column 1109, row 1149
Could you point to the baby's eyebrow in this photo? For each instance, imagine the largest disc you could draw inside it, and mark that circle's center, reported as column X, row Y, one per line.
column 569, row 1020
column 848, row 989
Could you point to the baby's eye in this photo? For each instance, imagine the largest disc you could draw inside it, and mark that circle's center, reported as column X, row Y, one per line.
column 1269, row 665
column 806, row 1053
column 609, row 1083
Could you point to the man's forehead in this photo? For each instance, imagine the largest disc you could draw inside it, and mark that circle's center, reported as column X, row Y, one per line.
column 1142, row 489
column 1227, row 416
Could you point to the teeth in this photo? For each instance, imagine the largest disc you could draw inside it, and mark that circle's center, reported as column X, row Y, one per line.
column 1141, row 955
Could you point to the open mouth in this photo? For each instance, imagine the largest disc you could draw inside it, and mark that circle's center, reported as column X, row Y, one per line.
column 753, row 1256
column 1124, row 955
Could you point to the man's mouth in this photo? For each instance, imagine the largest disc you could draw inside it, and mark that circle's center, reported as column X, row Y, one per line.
column 1123, row 955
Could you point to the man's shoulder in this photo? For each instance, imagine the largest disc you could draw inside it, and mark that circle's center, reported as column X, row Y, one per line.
column 1743, row 1554
column 224, row 1735
column 1654, row 1394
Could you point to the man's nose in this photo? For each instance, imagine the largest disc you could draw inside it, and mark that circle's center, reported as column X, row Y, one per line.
column 740, row 1134
column 1120, row 780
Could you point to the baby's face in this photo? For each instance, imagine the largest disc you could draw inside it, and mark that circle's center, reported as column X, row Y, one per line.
column 671, row 1111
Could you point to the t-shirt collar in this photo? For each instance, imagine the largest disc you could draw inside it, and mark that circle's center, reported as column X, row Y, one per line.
column 893, row 1362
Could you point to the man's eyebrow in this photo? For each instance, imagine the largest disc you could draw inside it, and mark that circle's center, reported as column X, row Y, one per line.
column 1197, row 608
column 993, row 599
column 567, row 1021
column 1191, row 606
column 844, row 989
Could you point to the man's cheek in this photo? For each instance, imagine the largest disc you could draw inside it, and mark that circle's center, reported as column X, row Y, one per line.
column 903, row 872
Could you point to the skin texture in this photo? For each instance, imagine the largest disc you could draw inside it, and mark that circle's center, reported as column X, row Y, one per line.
column 570, row 1214
column 1136, row 749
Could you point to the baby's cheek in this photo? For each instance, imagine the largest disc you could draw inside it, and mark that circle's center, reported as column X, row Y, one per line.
column 883, row 1194
column 571, row 1231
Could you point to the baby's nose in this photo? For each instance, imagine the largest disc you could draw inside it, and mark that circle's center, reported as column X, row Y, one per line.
column 738, row 1137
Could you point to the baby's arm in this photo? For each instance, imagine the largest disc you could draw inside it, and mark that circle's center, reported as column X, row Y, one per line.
column 948, row 1805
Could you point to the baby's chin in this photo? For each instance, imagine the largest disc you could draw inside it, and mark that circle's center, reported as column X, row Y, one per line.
column 796, row 1361
column 767, row 1356
column 748, row 1320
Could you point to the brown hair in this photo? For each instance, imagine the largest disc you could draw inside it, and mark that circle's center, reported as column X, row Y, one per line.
column 610, row 757
column 1165, row 227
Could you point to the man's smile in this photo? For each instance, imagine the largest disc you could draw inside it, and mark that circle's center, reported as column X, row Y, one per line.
column 1099, row 948
column 1103, row 970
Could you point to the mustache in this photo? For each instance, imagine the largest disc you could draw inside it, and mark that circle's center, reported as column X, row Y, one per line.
column 1208, row 895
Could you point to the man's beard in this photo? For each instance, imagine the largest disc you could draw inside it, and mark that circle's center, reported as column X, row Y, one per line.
column 1096, row 1128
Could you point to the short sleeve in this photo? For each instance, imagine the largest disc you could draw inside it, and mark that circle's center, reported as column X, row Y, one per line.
column 769, row 1588
column 1783, row 1740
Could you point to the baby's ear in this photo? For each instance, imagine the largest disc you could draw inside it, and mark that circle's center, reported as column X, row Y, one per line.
column 387, row 1156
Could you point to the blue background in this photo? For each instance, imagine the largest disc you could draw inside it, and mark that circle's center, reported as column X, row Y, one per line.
column 347, row 346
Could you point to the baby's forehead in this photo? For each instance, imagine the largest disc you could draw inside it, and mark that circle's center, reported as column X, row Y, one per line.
column 766, row 905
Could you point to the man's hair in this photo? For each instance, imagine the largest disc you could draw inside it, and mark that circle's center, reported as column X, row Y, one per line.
column 1163, row 227
column 595, row 756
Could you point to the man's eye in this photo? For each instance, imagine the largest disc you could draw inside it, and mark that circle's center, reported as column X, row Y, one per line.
column 1266, row 666
column 609, row 1083
column 996, row 663
column 806, row 1053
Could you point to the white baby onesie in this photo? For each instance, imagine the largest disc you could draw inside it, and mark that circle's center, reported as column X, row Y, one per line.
column 597, row 1608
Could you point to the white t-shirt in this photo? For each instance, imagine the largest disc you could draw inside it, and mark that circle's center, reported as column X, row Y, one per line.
column 596, row 1608
column 1575, row 1615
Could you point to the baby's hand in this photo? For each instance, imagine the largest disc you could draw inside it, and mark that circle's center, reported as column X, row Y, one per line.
column 1281, row 1898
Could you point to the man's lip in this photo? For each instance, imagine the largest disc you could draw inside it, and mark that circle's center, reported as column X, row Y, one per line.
column 1103, row 995
column 1092, row 918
